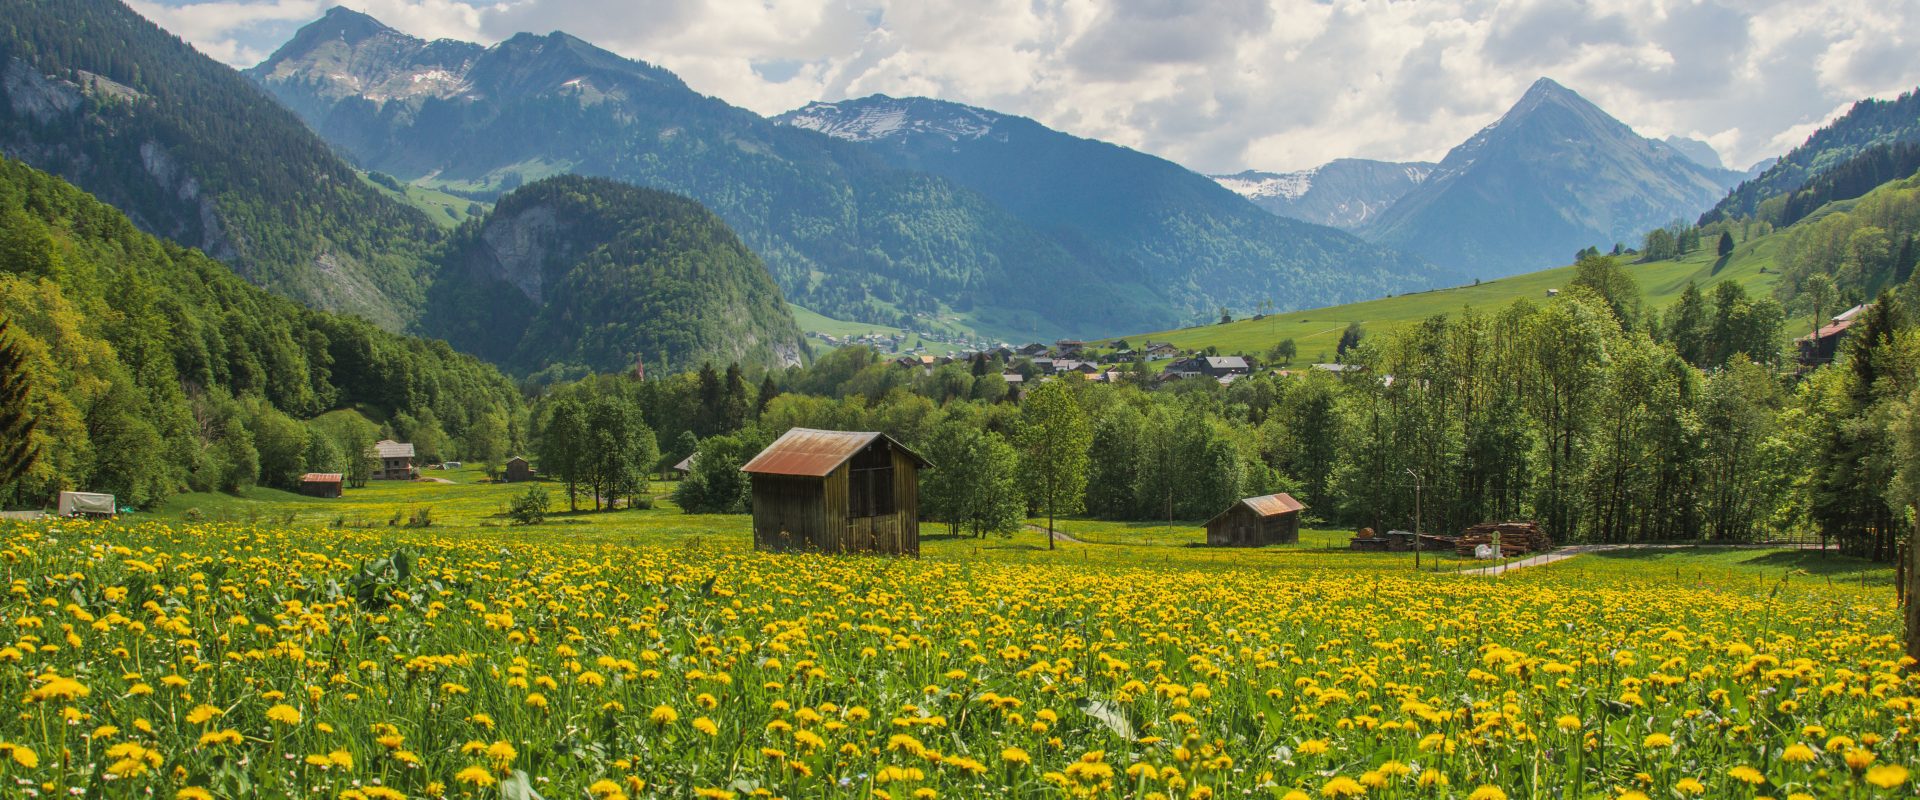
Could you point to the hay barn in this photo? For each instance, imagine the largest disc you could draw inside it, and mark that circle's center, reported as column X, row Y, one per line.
column 836, row 492
column 1257, row 522
column 320, row 484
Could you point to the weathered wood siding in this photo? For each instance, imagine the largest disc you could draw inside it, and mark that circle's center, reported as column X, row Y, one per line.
column 1241, row 527
column 788, row 513
column 906, row 505
column 798, row 513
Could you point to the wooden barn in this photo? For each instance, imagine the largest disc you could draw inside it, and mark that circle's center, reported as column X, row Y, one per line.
column 1257, row 522
column 517, row 470
column 836, row 492
column 320, row 484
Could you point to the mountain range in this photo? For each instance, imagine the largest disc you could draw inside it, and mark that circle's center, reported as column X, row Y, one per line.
column 952, row 215
column 1345, row 193
column 192, row 151
column 1553, row 174
column 189, row 150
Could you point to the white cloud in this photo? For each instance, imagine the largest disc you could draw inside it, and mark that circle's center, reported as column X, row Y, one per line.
column 1216, row 84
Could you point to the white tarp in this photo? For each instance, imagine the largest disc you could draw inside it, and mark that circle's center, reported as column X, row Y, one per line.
column 1484, row 552
column 72, row 503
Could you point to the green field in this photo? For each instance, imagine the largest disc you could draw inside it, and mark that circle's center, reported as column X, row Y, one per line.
column 1316, row 332
column 446, row 210
column 813, row 322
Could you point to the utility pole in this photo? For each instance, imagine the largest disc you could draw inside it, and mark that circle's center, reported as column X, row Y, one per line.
column 1416, row 519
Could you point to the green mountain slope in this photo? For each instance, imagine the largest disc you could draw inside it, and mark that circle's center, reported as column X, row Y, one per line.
column 1868, row 125
column 156, row 369
column 191, row 151
column 571, row 274
column 1317, row 332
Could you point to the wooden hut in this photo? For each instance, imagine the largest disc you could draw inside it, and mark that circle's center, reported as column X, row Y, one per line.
column 516, row 470
column 836, row 491
column 1257, row 522
column 320, row 484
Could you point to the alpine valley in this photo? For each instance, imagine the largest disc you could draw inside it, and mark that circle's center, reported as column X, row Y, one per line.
column 877, row 210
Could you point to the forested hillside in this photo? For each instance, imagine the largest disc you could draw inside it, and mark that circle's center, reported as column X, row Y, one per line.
column 1143, row 219
column 573, row 275
column 192, row 152
column 153, row 368
column 1869, row 125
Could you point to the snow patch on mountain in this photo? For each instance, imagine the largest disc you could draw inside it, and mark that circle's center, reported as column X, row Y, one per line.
column 1255, row 185
column 876, row 118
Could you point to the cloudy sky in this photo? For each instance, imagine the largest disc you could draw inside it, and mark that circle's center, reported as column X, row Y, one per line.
column 1219, row 85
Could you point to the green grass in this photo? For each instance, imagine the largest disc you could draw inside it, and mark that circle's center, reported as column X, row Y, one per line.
column 1316, row 332
column 814, row 322
column 446, row 210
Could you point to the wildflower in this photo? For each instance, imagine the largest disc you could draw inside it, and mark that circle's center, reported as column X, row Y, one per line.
column 1342, row 786
column 1567, row 722
column 1656, row 740
column 475, row 776
column 1487, row 793
column 1798, row 754
column 663, row 715
column 1689, row 786
column 1887, row 776
column 706, row 726
column 1015, row 756
column 193, row 793
column 284, row 714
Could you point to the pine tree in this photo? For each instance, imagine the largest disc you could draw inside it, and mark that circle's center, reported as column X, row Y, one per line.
column 17, row 450
column 768, row 391
column 1726, row 244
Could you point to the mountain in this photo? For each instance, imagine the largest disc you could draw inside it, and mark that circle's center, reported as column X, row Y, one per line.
column 154, row 368
column 1697, row 151
column 1553, row 175
column 845, row 230
column 573, row 274
column 1148, row 220
column 1868, row 125
column 193, row 152
column 1344, row 193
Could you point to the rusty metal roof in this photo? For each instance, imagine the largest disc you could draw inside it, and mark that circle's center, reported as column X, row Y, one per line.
column 1271, row 505
column 320, row 477
column 812, row 453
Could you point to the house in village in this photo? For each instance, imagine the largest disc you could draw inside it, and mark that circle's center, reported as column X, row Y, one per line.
column 684, row 467
column 516, row 470
column 1257, row 522
column 1159, row 352
column 321, row 484
column 393, row 461
column 836, row 491
column 1031, row 350
column 1822, row 345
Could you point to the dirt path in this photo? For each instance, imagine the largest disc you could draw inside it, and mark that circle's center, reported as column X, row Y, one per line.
column 1561, row 554
column 1058, row 536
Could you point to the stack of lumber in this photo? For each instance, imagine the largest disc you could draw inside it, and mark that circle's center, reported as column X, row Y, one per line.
column 1516, row 538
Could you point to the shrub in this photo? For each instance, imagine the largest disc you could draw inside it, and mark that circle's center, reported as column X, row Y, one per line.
column 530, row 508
column 422, row 517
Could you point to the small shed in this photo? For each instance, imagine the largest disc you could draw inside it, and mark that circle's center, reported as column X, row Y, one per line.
column 320, row 484
column 685, row 466
column 838, row 492
column 516, row 470
column 86, row 504
column 1257, row 522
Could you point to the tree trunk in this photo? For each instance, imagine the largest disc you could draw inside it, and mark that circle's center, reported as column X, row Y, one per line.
column 1910, row 585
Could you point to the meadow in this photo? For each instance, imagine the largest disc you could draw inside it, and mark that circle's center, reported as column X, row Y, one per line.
column 266, row 651
column 1316, row 332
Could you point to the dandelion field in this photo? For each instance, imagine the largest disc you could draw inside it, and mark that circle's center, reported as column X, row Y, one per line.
column 224, row 660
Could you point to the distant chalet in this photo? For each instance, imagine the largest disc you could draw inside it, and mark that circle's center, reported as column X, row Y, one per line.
column 394, row 460
column 836, row 492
